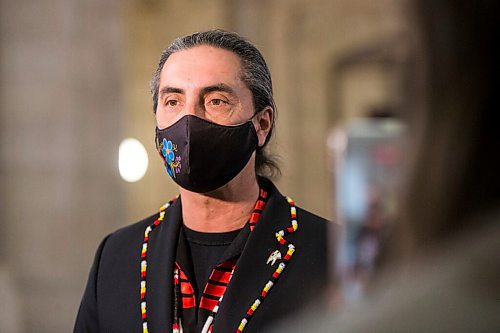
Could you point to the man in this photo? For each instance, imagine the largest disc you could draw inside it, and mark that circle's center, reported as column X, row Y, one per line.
column 230, row 254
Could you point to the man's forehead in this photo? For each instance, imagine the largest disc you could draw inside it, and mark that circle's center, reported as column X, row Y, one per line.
column 202, row 64
column 205, row 55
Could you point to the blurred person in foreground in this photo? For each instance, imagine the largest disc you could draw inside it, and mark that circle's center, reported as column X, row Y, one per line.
column 231, row 253
column 445, row 272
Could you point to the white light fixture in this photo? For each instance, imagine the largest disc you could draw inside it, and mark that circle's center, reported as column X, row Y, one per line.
column 132, row 160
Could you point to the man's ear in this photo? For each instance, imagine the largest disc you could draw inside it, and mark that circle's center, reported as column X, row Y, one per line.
column 263, row 124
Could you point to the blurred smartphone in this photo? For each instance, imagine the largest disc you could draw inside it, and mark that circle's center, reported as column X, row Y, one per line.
column 366, row 154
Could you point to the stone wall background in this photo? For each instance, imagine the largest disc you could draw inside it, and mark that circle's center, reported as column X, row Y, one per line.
column 74, row 81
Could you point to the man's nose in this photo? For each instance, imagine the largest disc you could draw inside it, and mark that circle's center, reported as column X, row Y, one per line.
column 194, row 108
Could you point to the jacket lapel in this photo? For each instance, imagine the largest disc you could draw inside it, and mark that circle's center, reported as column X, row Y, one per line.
column 252, row 271
column 159, row 280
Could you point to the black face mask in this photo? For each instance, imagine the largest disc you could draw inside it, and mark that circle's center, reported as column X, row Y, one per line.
column 202, row 156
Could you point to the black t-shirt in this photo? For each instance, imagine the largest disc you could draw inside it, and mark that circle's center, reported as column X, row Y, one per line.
column 205, row 262
column 206, row 250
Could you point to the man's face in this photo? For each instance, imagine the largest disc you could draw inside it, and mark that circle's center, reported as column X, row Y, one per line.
column 206, row 82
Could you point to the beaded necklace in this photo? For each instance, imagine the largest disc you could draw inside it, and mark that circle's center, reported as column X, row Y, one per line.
column 280, row 237
column 144, row 263
column 177, row 327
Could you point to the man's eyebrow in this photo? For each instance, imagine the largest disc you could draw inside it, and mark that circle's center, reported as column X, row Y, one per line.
column 166, row 90
column 217, row 87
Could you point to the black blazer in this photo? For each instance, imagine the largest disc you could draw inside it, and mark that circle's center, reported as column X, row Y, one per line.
column 111, row 302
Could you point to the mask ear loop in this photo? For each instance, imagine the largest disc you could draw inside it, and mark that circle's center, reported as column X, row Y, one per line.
column 157, row 143
column 251, row 118
column 254, row 114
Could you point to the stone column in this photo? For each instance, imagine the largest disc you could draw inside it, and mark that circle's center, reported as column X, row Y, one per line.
column 60, row 112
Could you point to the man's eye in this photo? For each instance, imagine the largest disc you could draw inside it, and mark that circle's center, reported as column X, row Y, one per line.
column 216, row 102
column 171, row 102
